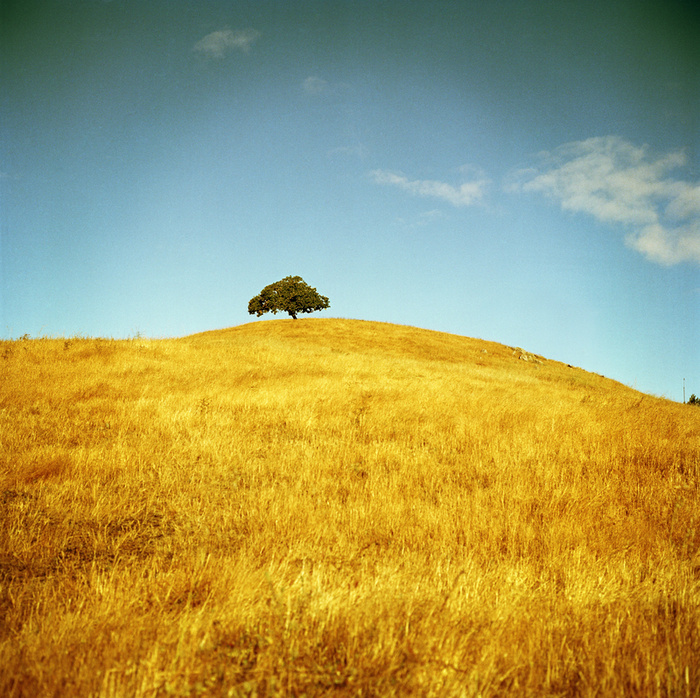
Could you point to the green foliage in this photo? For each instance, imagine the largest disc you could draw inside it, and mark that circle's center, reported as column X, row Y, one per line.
column 291, row 295
column 694, row 400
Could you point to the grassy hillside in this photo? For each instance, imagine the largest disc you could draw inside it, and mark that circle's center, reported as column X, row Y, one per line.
column 340, row 507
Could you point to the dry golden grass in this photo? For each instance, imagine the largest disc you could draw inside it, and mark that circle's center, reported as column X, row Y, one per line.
column 340, row 507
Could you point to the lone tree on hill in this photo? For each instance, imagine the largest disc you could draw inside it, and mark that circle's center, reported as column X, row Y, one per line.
column 291, row 295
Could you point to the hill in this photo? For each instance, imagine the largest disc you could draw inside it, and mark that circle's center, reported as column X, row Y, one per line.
column 335, row 506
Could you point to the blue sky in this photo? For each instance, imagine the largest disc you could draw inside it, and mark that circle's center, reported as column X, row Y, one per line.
column 524, row 172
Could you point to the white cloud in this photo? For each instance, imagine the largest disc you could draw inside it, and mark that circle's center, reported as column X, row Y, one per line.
column 620, row 183
column 314, row 85
column 218, row 43
column 467, row 194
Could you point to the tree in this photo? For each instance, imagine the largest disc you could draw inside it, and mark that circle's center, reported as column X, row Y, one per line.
column 694, row 400
column 291, row 295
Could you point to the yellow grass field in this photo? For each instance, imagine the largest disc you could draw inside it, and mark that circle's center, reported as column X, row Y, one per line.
column 337, row 507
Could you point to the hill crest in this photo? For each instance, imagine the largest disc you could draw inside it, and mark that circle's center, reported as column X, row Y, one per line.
column 410, row 342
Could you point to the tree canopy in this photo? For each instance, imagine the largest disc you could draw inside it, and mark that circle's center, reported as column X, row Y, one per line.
column 291, row 295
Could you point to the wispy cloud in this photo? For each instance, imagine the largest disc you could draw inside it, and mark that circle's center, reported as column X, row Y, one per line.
column 313, row 85
column 359, row 151
column 466, row 194
column 620, row 183
column 429, row 217
column 219, row 43
column 424, row 219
